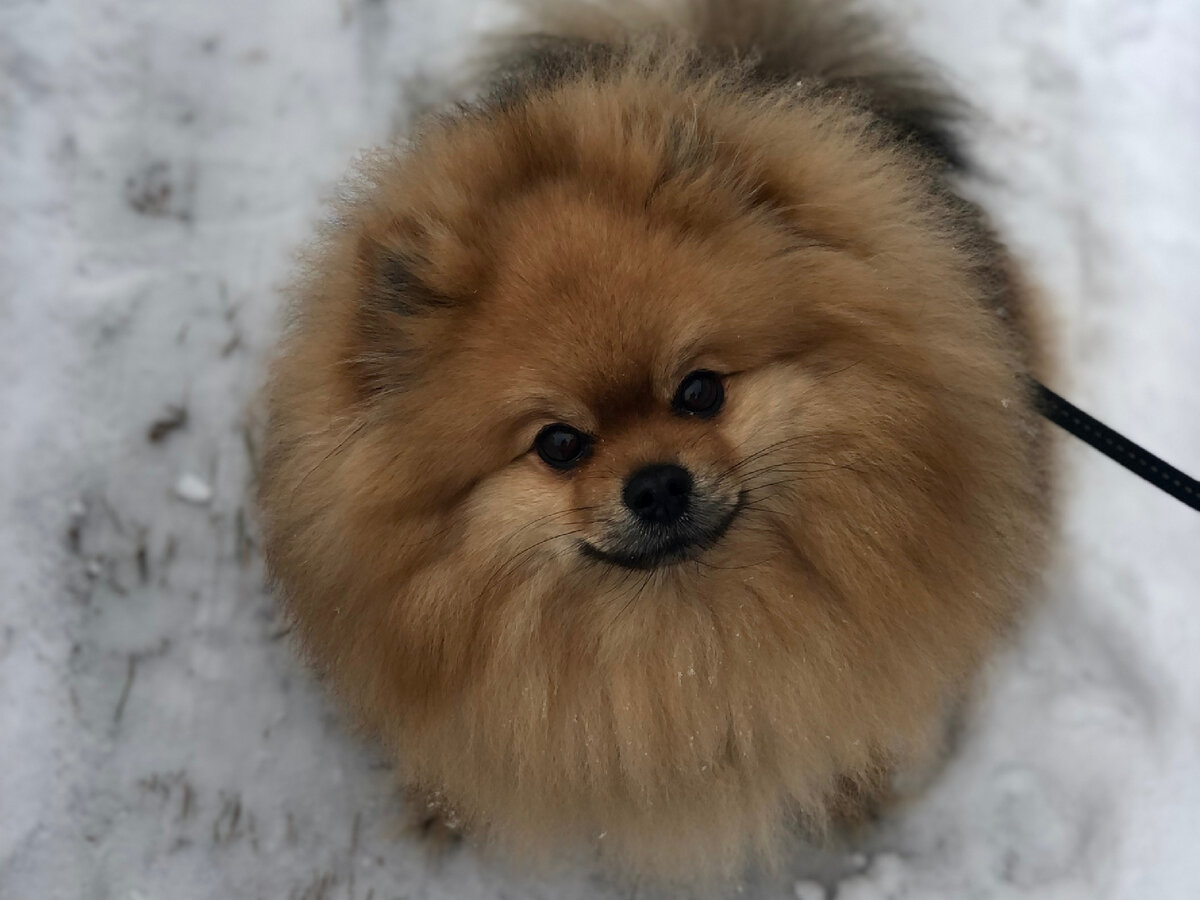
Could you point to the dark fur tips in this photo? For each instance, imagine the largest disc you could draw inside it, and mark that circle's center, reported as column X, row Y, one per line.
column 832, row 45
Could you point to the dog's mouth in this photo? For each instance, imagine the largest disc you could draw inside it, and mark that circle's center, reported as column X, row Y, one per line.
column 659, row 547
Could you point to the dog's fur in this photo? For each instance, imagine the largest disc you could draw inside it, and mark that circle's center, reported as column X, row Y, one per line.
column 757, row 188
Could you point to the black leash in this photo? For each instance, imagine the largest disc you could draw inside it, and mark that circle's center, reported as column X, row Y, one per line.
column 1116, row 447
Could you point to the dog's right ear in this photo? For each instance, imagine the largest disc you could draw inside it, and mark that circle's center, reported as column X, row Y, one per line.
column 389, row 280
column 394, row 304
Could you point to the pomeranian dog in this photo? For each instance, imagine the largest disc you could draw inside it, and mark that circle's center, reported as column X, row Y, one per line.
column 651, row 458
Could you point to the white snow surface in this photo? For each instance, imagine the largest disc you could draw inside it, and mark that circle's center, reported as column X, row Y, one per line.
column 160, row 163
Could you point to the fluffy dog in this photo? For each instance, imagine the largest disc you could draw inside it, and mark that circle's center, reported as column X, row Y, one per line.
column 651, row 462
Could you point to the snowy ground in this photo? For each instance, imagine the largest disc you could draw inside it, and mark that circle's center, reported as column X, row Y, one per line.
column 159, row 162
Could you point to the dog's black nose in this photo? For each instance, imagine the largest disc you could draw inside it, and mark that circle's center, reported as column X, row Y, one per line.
column 658, row 494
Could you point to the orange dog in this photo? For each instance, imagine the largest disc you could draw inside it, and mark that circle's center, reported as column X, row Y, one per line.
column 650, row 463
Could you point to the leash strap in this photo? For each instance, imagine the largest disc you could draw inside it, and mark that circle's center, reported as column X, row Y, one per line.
column 1116, row 447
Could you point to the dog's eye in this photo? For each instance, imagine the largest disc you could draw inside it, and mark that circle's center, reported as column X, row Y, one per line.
column 701, row 394
column 561, row 446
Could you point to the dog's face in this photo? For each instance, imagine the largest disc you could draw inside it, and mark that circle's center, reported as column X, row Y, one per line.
column 622, row 391
column 663, row 462
column 633, row 397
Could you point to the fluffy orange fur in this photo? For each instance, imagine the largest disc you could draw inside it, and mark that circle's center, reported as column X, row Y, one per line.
column 568, row 252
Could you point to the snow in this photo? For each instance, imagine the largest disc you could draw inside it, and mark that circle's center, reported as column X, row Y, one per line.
column 809, row 890
column 159, row 163
column 193, row 489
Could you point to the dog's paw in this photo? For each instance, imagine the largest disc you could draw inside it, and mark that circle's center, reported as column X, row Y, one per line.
column 434, row 823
